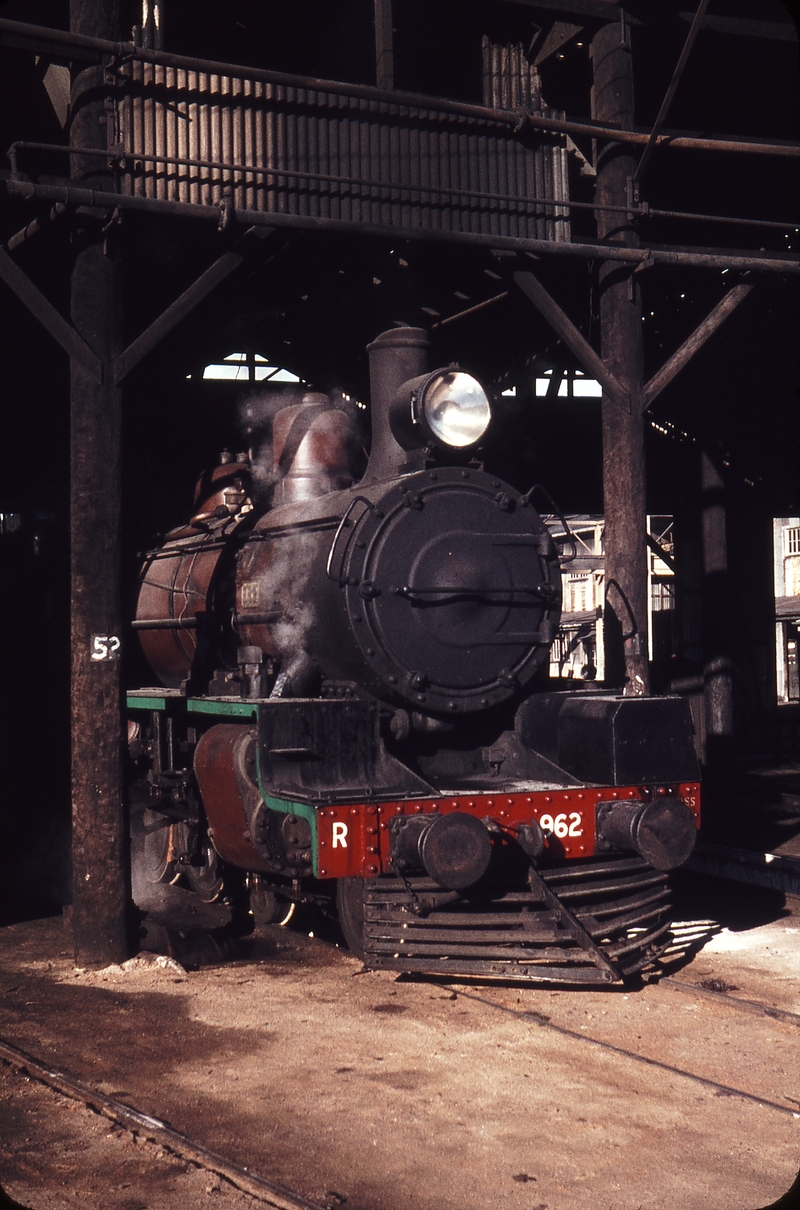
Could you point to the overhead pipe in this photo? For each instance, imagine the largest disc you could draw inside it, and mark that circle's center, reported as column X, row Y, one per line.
column 100, row 199
column 36, row 37
column 643, row 209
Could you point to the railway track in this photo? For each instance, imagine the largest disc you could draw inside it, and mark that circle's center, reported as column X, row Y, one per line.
column 275, row 1195
column 723, row 1089
column 745, row 1006
column 268, row 1192
column 279, row 1198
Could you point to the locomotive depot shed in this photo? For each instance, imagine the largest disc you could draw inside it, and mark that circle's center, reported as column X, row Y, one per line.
column 260, row 226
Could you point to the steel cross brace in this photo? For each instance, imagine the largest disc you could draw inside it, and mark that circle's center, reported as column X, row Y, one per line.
column 208, row 281
column 572, row 338
column 725, row 307
column 673, row 85
column 59, row 328
column 594, row 364
column 659, row 551
column 76, row 347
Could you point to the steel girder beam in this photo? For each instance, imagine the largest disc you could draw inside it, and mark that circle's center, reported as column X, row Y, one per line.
column 205, row 284
column 59, row 328
column 593, row 363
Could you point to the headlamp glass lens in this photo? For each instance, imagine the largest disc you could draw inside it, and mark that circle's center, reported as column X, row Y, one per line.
column 456, row 408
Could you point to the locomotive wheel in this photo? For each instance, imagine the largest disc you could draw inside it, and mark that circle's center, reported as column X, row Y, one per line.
column 164, row 841
column 268, row 907
column 206, row 879
column 350, row 908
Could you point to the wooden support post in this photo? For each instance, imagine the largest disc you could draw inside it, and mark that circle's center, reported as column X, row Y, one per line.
column 717, row 679
column 384, row 45
column 625, row 614
column 102, row 909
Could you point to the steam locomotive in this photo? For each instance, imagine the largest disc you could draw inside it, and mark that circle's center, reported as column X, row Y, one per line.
column 355, row 706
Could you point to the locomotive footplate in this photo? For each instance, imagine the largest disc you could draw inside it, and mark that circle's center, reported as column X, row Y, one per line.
column 595, row 921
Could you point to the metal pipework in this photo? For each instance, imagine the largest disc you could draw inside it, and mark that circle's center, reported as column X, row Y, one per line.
column 251, row 670
column 726, row 258
column 118, row 161
column 74, row 46
column 662, row 832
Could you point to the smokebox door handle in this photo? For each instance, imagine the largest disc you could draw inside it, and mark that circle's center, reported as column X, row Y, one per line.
column 336, row 558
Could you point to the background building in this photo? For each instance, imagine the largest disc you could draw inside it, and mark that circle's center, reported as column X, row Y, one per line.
column 786, row 536
column 578, row 652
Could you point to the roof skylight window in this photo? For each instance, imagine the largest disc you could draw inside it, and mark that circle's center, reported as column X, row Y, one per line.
column 570, row 385
column 247, row 367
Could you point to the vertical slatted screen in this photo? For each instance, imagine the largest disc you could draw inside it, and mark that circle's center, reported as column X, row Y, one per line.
column 193, row 136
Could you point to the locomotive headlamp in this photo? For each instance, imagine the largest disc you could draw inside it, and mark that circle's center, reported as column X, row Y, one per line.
column 448, row 407
column 454, row 406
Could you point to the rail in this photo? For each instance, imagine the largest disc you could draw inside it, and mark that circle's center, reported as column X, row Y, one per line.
column 267, row 1192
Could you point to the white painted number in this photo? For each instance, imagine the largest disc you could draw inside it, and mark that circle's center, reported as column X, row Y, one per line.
column 105, row 646
column 339, row 835
column 559, row 826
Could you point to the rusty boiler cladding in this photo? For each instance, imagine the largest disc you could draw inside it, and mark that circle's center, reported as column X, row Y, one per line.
column 436, row 589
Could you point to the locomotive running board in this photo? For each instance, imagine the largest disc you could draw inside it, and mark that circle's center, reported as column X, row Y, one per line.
column 617, row 923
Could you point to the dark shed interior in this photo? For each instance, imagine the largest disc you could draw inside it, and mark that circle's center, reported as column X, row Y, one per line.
column 311, row 296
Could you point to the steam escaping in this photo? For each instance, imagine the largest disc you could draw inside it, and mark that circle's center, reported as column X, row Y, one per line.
column 258, row 410
column 290, row 577
column 302, row 444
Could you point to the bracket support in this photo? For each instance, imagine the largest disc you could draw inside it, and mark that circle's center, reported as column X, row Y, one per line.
column 59, row 328
column 207, row 282
column 652, row 389
column 563, row 325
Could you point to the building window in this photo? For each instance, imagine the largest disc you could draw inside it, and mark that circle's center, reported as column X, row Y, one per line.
column 248, row 367
column 559, row 648
column 793, row 540
column 579, row 597
column 662, row 595
column 575, row 385
column 791, row 577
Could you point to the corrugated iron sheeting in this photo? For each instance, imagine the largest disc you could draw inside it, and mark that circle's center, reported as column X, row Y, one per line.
column 196, row 137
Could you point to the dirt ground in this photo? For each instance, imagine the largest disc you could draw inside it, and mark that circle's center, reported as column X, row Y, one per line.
column 376, row 1092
